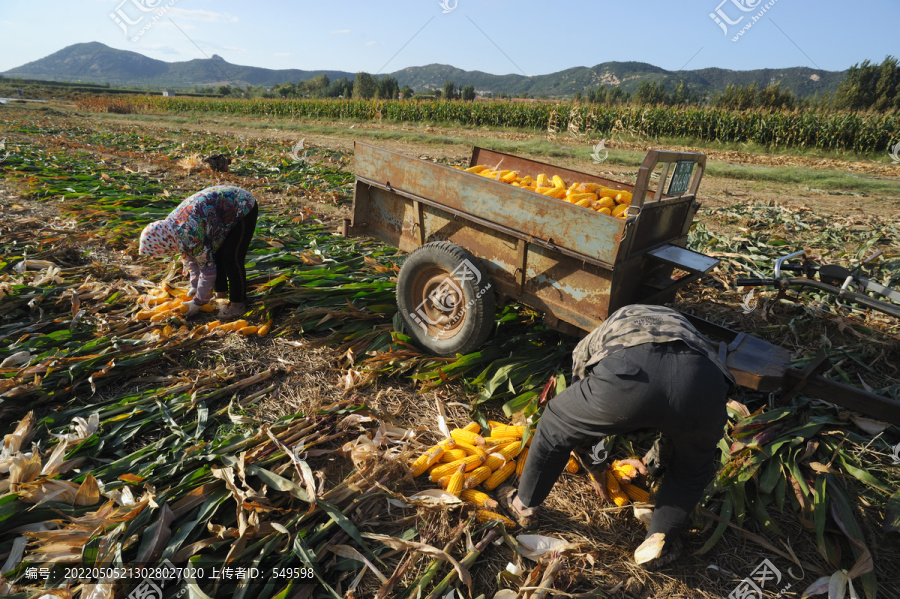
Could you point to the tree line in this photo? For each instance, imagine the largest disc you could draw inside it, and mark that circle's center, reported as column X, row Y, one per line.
column 867, row 87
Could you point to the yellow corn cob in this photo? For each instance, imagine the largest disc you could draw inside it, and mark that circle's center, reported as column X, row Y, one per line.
column 543, row 180
column 499, row 476
column 164, row 307
column 448, row 443
column 623, row 197
column 464, row 436
column 486, row 516
column 620, row 209
column 572, row 189
column 577, row 197
column 606, row 202
column 452, row 455
column 180, row 309
column 621, row 471
column 520, row 461
column 487, row 173
column 476, row 169
column 212, row 325
column 606, row 211
column 558, row 181
column 207, row 307
column 248, row 330
column 635, row 493
column 590, row 187
column 444, row 480
column 469, row 448
column 470, row 462
column 585, row 203
column 159, row 317
column 477, row 497
column 526, row 180
column 144, row 315
column 424, row 461
column 509, row 177
column 615, row 491
column 240, row 324
column 489, row 441
column 495, row 461
column 572, row 465
column 477, row 476
column 166, row 331
column 553, row 192
column 151, row 300
column 264, row 329
column 515, row 184
column 507, row 431
column 510, row 450
column 454, row 487
column 225, row 328
column 472, row 427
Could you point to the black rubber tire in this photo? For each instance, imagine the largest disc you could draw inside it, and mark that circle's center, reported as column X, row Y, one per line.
column 428, row 291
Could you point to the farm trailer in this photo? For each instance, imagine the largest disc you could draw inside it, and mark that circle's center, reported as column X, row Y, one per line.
column 472, row 239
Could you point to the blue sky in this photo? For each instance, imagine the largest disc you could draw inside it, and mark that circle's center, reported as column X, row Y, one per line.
column 496, row 36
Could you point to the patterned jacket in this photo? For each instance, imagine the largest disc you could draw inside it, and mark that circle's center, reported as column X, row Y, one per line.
column 638, row 324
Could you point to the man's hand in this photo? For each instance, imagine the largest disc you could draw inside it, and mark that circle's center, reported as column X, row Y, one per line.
column 597, row 476
column 638, row 465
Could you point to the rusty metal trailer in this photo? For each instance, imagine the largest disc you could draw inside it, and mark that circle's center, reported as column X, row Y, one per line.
column 472, row 238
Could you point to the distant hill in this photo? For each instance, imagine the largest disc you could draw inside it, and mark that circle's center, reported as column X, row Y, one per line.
column 97, row 63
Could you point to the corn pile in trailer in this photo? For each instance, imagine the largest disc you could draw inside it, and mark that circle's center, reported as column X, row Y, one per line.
column 132, row 441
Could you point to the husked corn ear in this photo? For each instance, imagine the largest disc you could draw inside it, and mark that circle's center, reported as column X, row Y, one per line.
column 144, row 315
column 487, row 173
column 159, row 317
column 207, row 307
column 622, row 471
column 477, row 497
column 507, row 431
column 469, row 448
column 635, row 493
column 606, row 202
column 558, row 181
column 248, row 330
column 264, row 329
column 464, row 436
column 476, row 169
column 572, row 465
column 452, row 455
column 590, row 187
column 585, row 203
column 470, row 462
column 240, row 324
column 553, row 192
column 621, row 209
column 509, row 177
column 477, row 476
column 510, row 450
column 504, row 472
column 520, row 462
column 543, row 180
column 210, row 326
column 606, row 211
column 454, row 487
column 615, row 490
column 606, row 192
column 577, row 197
column 495, row 461
column 225, row 328
column 473, row 427
column 623, row 197
column 425, row 461
column 486, row 516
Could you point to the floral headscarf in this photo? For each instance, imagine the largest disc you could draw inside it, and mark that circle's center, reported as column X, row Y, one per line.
column 159, row 239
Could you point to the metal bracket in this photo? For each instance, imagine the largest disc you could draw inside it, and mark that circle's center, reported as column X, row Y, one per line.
column 522, row 262
column 419, row 220
column 819, row 364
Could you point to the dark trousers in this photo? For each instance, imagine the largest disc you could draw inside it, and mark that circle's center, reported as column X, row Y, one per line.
column 668, row 387
column 230, row 258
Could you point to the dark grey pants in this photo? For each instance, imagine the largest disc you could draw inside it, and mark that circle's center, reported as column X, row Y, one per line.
column 668, row 387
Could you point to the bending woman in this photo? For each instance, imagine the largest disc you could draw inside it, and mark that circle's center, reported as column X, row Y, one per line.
column 211, row 230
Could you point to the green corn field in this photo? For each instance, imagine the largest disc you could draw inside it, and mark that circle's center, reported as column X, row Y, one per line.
column 843, row 132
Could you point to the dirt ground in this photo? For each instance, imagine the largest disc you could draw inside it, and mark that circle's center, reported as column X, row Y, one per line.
column 312, row 377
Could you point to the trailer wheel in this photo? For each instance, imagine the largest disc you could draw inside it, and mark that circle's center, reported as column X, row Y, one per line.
column 445, row 299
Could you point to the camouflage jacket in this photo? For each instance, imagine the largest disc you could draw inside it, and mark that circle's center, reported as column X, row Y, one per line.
column 638, row 324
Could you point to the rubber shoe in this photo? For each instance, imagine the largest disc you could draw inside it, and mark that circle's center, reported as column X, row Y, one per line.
column 506, row 495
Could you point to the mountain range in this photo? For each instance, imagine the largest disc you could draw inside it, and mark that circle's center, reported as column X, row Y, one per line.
column 94, row 62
